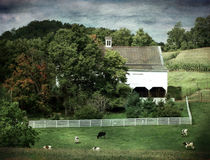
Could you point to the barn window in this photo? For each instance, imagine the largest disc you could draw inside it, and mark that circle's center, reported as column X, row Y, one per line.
column 142, row 91
column 157, row 92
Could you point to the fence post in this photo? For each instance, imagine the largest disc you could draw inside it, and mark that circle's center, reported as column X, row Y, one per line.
column 90, row 123
column 135, row 121
column 45, row 123
column 33, row 124
column 79, row 123
column 56, row 123
column 179, row 120
column 157, row 121
column 101, row 123
column 188, row 110
column 68, row 123
column 168, row 121
column 146, row 121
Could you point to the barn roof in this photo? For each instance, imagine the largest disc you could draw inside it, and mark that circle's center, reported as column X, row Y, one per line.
column 147, row 58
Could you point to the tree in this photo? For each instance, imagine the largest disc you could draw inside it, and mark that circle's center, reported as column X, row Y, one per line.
column 14, row 130
column 28, row 84
column 114, row 71
column 79, row 66
column 76, row 60
column 176, row 36
column 201, row 32
column 142, row 39
column 122, row 37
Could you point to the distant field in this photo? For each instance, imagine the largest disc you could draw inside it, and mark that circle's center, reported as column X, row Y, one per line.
column 189, row 81
column 190, row 60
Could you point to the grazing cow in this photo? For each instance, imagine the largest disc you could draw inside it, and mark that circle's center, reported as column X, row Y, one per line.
column 47, row 147
column 76, row 139
column 96, row 148
column 190, row 144
column 184, row 132
column 101, row 134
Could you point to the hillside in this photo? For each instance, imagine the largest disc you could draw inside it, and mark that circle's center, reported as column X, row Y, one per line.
column 189, row 60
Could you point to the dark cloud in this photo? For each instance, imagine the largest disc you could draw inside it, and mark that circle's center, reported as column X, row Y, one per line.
column 156, row 17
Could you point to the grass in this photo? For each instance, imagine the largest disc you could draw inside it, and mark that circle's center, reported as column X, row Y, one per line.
column 114, row 115
column 191, row 60
column 77, row 154
column 140, row 142
column 202, row 95
column 189, row 81
column 199, row 55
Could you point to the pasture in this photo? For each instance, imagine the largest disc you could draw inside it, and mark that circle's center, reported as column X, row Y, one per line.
column 199, row 55
column 189, row 81
column 141, row 142
column 189, row 60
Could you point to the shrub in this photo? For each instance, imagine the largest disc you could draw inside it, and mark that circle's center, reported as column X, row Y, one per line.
column 14, row 130
column 175, row 92
column 169, row 109
column 88, row 112
column 137, row 107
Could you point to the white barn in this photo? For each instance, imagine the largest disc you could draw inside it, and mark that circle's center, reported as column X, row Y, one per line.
column 147, row 74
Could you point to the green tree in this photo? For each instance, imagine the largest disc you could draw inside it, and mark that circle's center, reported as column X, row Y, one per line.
column 114, row 71
column 201, row 32
column 176, row 36
column 142, row 39
column 122, row 37
column 76, row 62
column 14, row 130
column 79, row 66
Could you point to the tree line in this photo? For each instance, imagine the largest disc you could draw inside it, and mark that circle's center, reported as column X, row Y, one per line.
column 197, row 37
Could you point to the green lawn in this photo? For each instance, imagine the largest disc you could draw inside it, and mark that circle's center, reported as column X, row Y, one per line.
column 122, row 138
column 140, row 142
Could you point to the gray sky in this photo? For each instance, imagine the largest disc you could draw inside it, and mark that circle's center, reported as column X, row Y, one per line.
column 156, row 17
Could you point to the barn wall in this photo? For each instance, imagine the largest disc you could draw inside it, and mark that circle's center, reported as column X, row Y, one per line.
column 148, row 79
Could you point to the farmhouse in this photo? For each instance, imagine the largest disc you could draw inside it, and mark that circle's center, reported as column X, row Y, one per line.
column 147, row 74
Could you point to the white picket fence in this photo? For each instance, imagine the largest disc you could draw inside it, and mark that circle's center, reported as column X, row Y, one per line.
column 113, row 122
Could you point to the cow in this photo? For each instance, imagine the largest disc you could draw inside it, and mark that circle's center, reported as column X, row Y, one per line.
column 184, row 132
column 96, row 148
column 101, row 134
column 47, row 147
column 190, row 144
column 76, row 139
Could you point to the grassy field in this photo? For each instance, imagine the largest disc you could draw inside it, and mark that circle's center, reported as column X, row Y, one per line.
column 141, row 142
column 189, row 81
column 199, row 55
column 190, row 60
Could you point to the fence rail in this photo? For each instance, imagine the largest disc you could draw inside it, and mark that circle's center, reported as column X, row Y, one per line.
column 110, row 122
column 113, row 122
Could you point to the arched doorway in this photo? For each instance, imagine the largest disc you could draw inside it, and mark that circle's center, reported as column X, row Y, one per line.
column 143, row 92
column 157, row 92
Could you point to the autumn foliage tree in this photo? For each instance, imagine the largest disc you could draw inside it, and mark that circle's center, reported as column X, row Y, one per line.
column 28, row 84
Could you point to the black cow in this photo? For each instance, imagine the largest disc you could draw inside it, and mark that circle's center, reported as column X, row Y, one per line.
column 101, row 134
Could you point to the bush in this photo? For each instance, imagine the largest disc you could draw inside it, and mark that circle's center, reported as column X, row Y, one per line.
column 137, row 107
column 175, row 92
column 169, row 109
column 88, row 112
column 14, row 130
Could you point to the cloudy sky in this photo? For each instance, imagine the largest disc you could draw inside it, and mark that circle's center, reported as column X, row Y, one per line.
column 156, row 17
